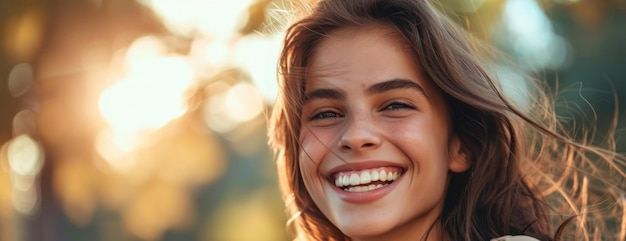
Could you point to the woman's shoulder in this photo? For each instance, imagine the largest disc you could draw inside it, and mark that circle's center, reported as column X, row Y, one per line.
column 515, row 238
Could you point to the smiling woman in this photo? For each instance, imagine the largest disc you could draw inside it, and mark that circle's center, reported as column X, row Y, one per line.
column 382, row 117
column 388, row 126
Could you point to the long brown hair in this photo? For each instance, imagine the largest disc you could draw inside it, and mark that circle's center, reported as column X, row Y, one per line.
column 526, row 173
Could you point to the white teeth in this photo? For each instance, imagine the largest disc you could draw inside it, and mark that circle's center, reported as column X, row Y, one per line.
column 345, row 180
column 354, row 179
column 363, row 178
column 365, row 188
column 375, row 176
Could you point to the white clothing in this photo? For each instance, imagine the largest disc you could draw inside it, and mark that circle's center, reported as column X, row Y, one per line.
column 515, row 238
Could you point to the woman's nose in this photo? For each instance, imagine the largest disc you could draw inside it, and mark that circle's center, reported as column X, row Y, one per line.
column 359, row 134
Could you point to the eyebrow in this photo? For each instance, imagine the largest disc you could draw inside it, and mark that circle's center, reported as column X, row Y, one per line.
column 397, row 83
column 324, row 94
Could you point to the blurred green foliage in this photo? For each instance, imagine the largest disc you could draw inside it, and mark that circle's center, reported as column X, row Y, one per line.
column 246, row 195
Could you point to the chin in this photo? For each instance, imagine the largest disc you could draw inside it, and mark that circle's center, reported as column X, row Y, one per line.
column 363, row 225
column 363, row 231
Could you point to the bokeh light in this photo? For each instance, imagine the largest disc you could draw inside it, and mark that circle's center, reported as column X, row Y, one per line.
column 25, row 122
column 25, row 156
column 145, row 120
column 20, row 79
column 25, row 201
column 25, row 159
column 532, row 35
column 238, row 104
column 150, row 96
column 24, row 33
column 208, row 17
column 114, row 148
column 466, row 6
column 258, row 55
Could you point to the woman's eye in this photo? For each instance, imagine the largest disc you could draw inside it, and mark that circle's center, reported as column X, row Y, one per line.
column 398, row 106
column 325, row 115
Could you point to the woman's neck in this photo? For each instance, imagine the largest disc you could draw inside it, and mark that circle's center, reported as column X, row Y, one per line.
column 410, row 231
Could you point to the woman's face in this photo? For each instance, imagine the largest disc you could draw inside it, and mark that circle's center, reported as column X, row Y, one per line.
column 375, row 145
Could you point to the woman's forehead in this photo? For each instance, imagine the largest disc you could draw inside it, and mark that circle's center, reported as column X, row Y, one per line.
column 373, row 52
column 376, row 32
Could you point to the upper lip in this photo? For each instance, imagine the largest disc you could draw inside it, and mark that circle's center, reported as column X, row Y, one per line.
column 362, row 165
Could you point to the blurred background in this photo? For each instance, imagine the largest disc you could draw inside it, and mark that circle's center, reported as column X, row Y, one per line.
column 129, row 120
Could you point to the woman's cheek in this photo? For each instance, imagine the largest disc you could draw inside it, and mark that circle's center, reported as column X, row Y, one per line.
column 312, row 153
column 314, row 145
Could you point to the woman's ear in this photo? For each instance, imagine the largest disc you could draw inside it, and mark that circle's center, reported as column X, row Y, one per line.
column 459, row 158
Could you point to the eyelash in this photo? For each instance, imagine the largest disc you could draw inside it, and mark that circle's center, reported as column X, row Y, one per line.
column 396, row 105
column 393, row 106
column 325, row 115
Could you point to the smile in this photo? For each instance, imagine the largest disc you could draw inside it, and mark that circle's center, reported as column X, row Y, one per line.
column 366, row 180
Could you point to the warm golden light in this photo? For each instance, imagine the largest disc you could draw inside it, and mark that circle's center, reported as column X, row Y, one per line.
column 144, row 49
column 143, row 119
column 248, row 219
column 216, row 52
column 6, row 204
column 210, row 55
column 216, row 114
column 75, row 183
column 20, row 79
column 25, row 156
column 258, row 55
column 158, row 207
column 25, row 201
column 25, row 122
column 244, row 102
column 114, row 148
column 25, row 159
column 239, row 104
column 222, row 18
column 25, row 34
column 152, row 95
column 210, row 17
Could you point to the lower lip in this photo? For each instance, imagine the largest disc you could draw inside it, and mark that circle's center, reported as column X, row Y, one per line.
column 365, row 197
